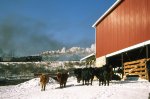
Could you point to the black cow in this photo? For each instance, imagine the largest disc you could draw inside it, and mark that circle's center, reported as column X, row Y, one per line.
column 99, row 74
column 78, row 74
column 104, row 74
column 85, row 74
column 108, row 71
column 62, row 78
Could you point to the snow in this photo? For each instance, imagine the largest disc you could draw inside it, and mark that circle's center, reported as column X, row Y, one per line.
column 117, row 90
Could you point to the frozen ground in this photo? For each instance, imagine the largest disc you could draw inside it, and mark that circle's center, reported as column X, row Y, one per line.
column 116, row 90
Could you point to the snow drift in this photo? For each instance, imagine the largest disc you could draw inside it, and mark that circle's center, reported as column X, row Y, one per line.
column 117, row 90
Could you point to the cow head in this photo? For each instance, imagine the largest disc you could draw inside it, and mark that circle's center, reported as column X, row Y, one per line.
column 78, row 78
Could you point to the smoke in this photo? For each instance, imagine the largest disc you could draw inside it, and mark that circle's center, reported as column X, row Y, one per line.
column 25, row 36
column 85, row 42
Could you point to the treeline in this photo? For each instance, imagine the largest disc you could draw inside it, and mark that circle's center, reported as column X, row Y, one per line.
column 20, row 69
column 21, row 59
column 27, row 69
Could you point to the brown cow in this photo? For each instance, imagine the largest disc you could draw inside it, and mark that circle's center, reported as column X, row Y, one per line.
column 62, row 78
column 43, row 81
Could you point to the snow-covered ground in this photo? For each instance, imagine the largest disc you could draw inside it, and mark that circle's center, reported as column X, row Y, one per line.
column 116, row 90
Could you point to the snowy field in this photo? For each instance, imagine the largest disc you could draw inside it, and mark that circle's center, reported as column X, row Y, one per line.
column 116, row 90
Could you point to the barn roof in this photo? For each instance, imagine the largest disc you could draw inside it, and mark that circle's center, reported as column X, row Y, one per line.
column 107, row 12
column 89, row 56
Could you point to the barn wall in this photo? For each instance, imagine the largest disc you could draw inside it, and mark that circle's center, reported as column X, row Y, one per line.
column 127, row 25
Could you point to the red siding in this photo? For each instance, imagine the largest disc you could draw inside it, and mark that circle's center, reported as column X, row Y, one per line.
column 126, row 25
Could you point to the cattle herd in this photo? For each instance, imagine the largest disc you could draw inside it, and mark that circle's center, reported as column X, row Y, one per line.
column 86, row 75
column 104, row 74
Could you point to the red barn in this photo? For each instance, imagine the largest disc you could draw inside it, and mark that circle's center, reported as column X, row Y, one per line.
column 123, row 32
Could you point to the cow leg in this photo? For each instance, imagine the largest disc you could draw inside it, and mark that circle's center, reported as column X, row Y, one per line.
column 85, row 82
column 61, row 85
column 88, row 82
column 82, row 82
column 65, row 84
column 99, row 82
column 44, row 86
column 91, row 81
column 41, row 87
column 104, row 82
column 108, row 82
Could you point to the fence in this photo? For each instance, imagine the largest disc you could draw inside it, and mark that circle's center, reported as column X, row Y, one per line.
column 137, row 67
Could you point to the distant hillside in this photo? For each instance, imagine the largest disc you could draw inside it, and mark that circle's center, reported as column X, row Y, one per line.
column 72, row 54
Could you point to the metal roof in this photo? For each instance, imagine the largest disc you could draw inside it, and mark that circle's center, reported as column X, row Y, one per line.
column 93, row 54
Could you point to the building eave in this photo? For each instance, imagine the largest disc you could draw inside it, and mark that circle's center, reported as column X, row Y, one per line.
column 129, row 48
column 84, row 58
column 105, row 14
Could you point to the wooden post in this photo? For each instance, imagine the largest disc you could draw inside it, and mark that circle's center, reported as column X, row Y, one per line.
column 147, row 51
column 148, row 71
column 122, row 64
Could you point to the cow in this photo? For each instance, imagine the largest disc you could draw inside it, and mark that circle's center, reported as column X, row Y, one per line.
column 77, row 73
column 84, row 74
column 104, row 74
column 87, row 75
column 44, row 79
column 107, row 73
column 99, row 74
column 62, row 78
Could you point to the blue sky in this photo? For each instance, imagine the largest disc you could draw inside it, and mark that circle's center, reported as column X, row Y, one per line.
column 32, row 26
